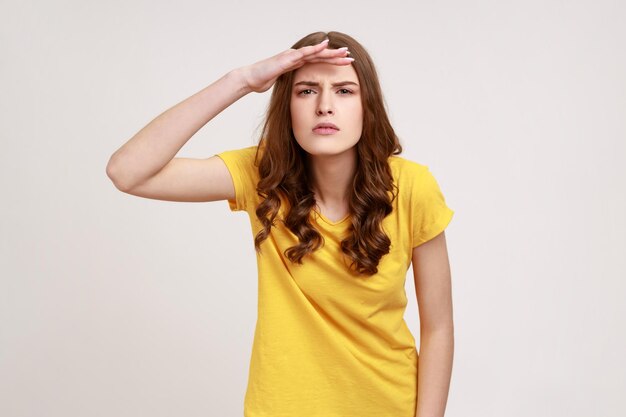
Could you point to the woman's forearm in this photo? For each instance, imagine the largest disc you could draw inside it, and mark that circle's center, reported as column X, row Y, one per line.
column 150, row 149
column 434, row 372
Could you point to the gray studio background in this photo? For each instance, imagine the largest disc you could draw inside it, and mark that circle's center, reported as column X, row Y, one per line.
column 114, row 305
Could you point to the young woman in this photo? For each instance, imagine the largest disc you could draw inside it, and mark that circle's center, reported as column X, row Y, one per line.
column 337, row 219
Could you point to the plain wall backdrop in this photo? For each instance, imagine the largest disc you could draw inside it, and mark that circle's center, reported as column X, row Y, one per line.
column 114, row 305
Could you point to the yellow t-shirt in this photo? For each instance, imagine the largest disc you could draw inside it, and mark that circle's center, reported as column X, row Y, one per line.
column 330, row 343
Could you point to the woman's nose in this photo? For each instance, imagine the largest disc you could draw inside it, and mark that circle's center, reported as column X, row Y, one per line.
column 324, row 105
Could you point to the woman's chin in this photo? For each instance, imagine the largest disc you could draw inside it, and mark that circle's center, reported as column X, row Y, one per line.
column 324, row 147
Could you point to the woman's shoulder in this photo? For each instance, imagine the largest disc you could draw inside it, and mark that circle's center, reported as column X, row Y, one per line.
column 404, row 167
column 241, row 158
column 247, row 151
column 412, row 176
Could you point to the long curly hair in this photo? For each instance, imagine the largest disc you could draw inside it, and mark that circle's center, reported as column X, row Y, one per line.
column 284, row 174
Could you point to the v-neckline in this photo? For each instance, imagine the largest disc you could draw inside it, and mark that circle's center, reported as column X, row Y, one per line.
column 327, row 220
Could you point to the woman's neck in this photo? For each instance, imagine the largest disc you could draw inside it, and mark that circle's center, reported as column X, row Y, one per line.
column 332, row 177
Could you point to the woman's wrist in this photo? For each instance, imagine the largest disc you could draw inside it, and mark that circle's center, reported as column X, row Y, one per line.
column 237, row 76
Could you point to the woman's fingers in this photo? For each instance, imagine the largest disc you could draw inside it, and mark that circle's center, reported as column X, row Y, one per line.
column 335, row 61
column 317, row 53
column 313, row 49
column 261, row 75
column 328, row 53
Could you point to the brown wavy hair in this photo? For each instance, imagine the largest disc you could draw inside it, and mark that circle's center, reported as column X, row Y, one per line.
column 284, row 172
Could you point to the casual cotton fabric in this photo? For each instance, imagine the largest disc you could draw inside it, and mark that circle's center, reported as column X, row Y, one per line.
column 328, row 342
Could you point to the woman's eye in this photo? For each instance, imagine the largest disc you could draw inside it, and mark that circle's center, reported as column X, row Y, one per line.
column 309, row 91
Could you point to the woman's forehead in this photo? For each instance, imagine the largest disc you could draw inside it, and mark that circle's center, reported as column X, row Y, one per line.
column 320, row 72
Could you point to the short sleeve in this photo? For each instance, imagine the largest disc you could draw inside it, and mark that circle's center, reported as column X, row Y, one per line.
column 430, row 212
column 245, row 176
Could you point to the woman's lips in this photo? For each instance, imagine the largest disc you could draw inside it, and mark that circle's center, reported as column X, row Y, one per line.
column 325, row 129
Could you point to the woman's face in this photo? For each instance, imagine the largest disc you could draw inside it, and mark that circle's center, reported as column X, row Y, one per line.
column 326, row 93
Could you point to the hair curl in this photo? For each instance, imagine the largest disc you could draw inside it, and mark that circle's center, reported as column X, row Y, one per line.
column 284, row 176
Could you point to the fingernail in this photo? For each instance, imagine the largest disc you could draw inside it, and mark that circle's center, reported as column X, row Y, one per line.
column 325, row 40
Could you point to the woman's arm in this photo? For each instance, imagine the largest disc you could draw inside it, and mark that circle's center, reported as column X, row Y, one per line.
column 431, row 270
column 146, row 153
column 143, row 158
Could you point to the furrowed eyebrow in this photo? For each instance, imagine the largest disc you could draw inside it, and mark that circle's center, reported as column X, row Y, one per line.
column 315, row 84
